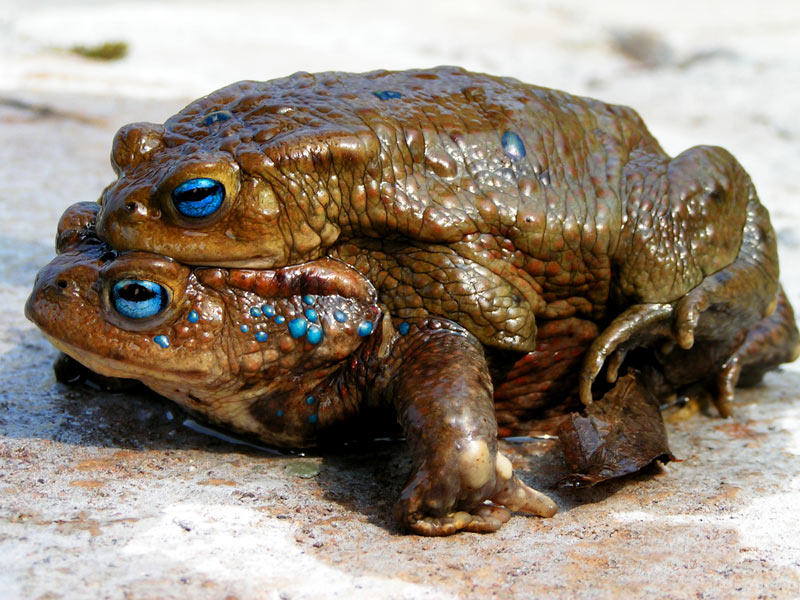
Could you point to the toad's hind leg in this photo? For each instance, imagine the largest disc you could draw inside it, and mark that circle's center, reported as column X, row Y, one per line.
column 442, row 392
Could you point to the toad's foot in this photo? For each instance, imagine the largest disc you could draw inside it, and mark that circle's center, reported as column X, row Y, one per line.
column 444, row 502
column 440, row 386
column 639, row 325
column 697, row 339
column 769, row 343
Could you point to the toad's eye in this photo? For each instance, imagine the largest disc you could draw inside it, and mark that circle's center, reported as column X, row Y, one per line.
column 137, row 298
column 199, row 197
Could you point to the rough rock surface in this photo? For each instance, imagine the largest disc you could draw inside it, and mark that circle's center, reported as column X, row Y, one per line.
column 106, row 495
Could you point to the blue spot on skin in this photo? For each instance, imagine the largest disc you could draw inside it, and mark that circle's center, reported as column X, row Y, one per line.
column 403, row 328
column 364, row 328
column 311, row 315
column 388, row 95
column 279, row 413
column 269, row 311
column 245, row 328
column 217, row 116
column 308, row 299
column 280, row 319
column 513, row 146
column 314, row 335
column 193, row 316
column 162, row 341
column 255, row 311
column 262, row 336
column 313, row 419
column 339, row 316
column 310, row 400
column 298, row 327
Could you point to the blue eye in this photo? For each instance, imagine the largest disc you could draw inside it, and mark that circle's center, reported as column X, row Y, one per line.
column 137, row 298
column 198, row 197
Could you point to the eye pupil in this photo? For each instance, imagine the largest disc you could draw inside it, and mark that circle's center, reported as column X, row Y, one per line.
column 198, row 197
column 138, row 298
column 133, row 292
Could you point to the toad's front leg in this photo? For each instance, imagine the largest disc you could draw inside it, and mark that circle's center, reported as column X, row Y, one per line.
column 440, row 386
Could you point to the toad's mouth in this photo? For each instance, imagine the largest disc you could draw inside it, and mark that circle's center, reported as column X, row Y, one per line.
column 123, row 368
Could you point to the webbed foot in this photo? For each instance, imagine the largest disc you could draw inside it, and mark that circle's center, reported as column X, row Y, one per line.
column 452, row 497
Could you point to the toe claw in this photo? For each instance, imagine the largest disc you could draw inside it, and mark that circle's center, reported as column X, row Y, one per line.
column 515, row 495
column 687, row 315
column 727, row 379
column 614, row 363
column 485, row 519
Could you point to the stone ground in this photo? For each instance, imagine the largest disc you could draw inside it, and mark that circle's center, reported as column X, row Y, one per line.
column 122, row 496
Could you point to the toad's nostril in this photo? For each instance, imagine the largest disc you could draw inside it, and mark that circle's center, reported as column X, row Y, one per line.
column 61, row 283
column 131, row 206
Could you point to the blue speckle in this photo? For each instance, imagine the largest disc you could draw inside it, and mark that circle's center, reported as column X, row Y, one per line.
column 245, row 328
column 193, row 316
column 308, row 299
column 279, row 413
column 313, row 419
column 513, row 146
column 388, row 95
column 298, row 327
column 217, row 116
column 403, row 328
column 255, row 311
column 311, row 315
column 365, row 328
column 310, row 400
column 262, row 336
column 339, row 316
column 314, row 335
column 162, row 341
column 280, row 319
column 268, row 310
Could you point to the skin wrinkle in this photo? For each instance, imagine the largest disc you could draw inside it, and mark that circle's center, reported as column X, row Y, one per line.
column 385, row 165
column 468, row 165
column 299, row 206
column 489, row 115
column 634, row 256
column 680, row 267
column 683, row 262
